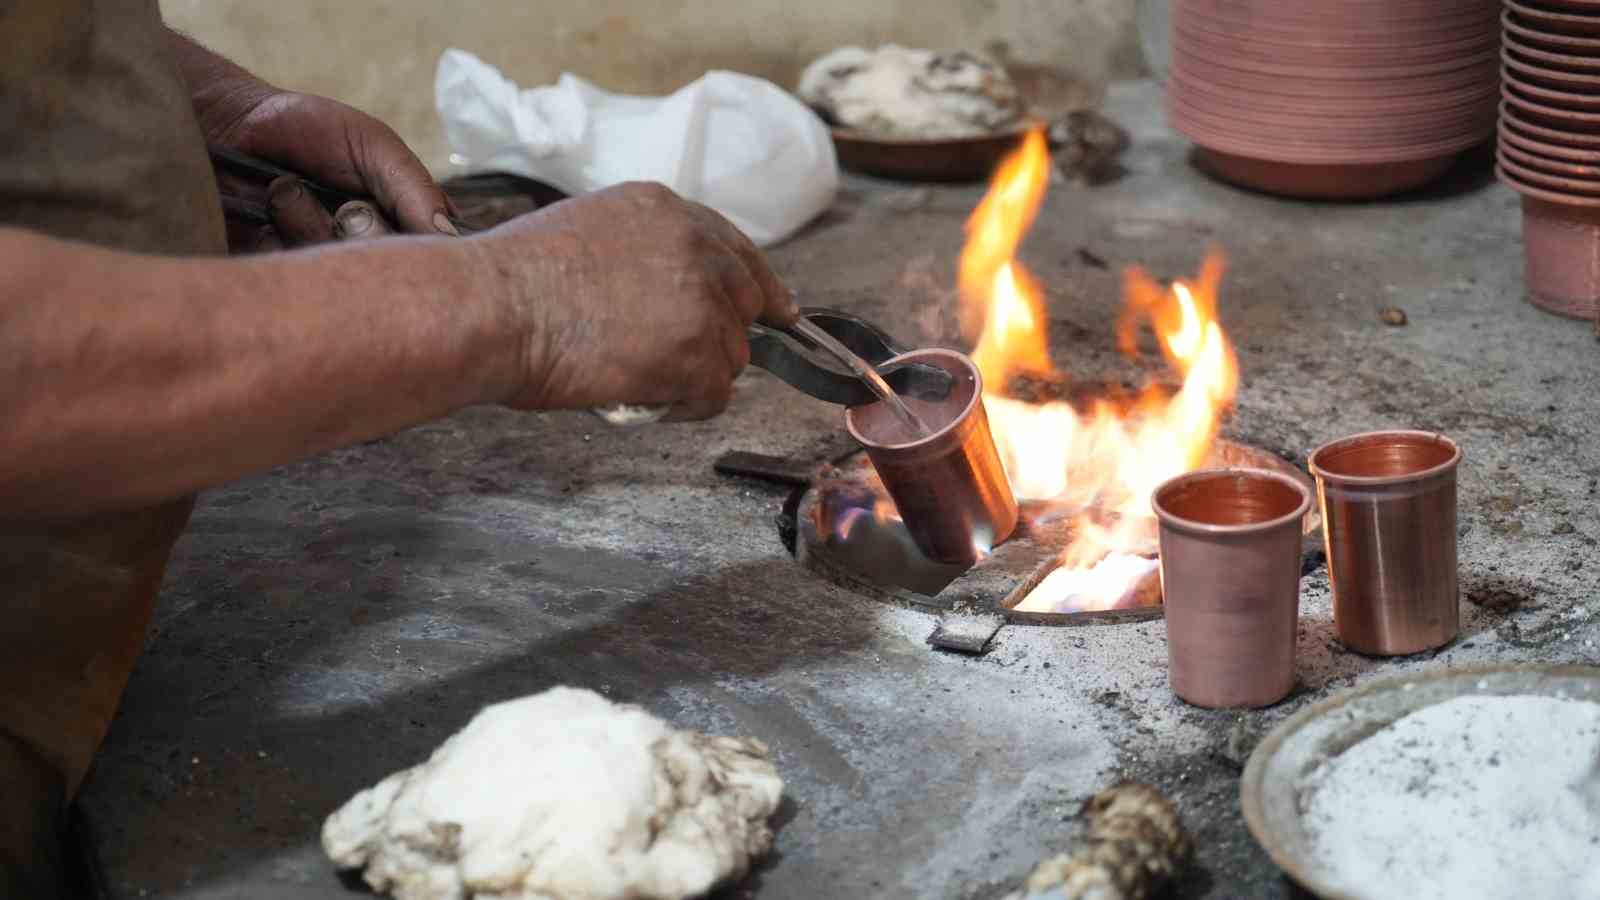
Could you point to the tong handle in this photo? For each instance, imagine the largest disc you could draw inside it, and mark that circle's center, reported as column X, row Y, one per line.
column 812, row 371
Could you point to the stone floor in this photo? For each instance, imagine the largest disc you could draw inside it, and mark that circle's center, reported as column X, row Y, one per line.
column 335, row 620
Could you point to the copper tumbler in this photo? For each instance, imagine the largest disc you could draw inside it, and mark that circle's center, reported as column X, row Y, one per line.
column 1230, row 576
column 1389, row 523
column 948, row 484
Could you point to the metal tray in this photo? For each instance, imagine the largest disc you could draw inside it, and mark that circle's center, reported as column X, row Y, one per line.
column 1269, row 793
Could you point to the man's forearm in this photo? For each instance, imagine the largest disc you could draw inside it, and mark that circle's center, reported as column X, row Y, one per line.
column 126, row 380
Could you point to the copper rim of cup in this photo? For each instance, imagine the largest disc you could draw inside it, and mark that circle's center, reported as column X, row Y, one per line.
column 1408, row 435
column 1194, row 526
column 960, row 419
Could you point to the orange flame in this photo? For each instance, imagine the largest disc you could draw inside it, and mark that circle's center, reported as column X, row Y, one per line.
column 1109, row 457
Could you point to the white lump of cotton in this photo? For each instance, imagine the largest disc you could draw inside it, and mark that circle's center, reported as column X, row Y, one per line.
column 1486, row 797
column 563, row 795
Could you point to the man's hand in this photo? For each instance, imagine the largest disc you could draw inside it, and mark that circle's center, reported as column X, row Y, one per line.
column 641, row 297
column 321, row 139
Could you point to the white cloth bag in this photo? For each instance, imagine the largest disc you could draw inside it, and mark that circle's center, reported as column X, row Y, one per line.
column 740, row 145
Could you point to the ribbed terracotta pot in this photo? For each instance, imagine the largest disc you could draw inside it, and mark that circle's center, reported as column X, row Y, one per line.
column 1555, row 167
column 1554, row 42
column 1510, row 136
column 1323, row 182
column 1570, row 61
column 1561, row 251
column 1512, row 117
column 1338, row 99
column 1556, row 20
column 1529, row 189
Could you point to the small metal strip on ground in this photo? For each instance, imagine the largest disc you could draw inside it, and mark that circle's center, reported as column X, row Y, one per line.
column 966, row 632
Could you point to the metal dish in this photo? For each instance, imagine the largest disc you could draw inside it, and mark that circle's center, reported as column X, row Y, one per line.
column 1270, row 795
column 1048, row 94
column 949, row 159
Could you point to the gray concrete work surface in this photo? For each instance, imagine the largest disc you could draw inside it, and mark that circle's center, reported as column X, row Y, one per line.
column 331, row 622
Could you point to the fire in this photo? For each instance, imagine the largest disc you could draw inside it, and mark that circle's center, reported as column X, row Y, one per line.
column 1099, row 464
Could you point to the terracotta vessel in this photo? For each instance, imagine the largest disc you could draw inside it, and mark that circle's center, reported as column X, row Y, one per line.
column 1341, row 99
column 1561, row 256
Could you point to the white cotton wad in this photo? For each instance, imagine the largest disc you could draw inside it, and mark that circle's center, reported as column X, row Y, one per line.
column 563, row 796
column 740, row 145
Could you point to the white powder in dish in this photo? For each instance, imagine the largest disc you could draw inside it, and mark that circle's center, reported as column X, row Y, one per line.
column 1483, row 797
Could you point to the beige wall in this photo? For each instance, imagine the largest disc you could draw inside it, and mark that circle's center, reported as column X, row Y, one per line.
column 380, row 54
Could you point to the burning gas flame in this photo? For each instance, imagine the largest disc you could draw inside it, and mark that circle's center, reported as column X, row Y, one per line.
column 1108, row 458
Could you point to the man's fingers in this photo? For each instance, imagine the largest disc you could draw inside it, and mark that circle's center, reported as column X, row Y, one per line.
column 267, row 240
column 778, row 306
column 297, row 215
column 326, row 141
column 401, row 183
column 358, row 220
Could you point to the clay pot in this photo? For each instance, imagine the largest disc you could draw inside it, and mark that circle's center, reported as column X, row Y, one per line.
column 1554, row 117
column 1237, row 54
column 1552, row 96
column 1537, row 163
column 1221, row 74
column 1346, row 98
column 1511, row 116
column 1566, row 187
column 1322, row 48
column 1561, row 249
column 1340, row 181
column 1548, row 59
column 1581, row 7
column 1551, row 41
column 1510, row 136
column 1528, row 189
column 1566, row 22
column 1212, row 94
column 1531, row 75
column 1367, row 133
column 1344, row 18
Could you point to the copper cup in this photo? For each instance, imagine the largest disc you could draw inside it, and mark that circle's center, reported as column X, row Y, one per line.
column 1389, row 522
column 949, row 486
column 1230, row 576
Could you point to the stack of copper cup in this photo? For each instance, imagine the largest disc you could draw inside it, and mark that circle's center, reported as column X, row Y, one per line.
column 1550, row 148
column 1335, row 99
column 1230, row 562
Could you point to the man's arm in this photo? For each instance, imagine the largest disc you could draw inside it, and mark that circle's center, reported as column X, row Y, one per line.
column 127, row 380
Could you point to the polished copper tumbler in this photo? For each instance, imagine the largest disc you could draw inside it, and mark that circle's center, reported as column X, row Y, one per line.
column 1230, row 577
column 948, row 484
column 1389, row 522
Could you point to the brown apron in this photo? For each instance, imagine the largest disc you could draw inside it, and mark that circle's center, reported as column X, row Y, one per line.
column 98, row 143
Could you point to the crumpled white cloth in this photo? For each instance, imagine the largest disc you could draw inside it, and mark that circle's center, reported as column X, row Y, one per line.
column 740, row 145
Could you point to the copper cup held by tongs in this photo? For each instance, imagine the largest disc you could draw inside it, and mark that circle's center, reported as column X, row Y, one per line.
column 1230, row 576
column 1389, row 523
column 948, row 484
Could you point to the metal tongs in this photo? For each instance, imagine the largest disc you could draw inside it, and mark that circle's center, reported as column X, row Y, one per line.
column 804, row 359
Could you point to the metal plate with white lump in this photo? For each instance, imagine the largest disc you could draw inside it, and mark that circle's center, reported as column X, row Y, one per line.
column 1272, row 792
